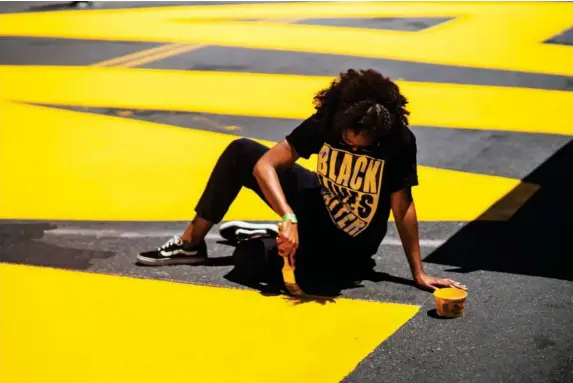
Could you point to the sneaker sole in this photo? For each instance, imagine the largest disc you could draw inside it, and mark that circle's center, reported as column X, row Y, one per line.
column 243, row 234
column 170, row 261
column 230, row 230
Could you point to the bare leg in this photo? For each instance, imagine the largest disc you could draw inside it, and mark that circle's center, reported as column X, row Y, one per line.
column 196, row 231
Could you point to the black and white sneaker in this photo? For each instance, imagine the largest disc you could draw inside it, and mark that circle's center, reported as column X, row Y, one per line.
column 174, row 252
column 238, row 231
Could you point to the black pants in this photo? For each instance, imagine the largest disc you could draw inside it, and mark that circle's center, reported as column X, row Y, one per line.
column 323, row 249
column 234, row 169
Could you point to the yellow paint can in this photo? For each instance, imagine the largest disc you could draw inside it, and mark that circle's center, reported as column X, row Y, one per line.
column 450, row 302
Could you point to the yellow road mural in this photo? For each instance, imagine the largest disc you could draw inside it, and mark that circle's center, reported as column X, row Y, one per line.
column 98, row 167
column 479, row 35
column 458, row 106
column 97, row 326
column 443, row 195
column 61, row 164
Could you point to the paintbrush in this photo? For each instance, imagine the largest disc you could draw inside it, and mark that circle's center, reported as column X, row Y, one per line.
column 289, row 278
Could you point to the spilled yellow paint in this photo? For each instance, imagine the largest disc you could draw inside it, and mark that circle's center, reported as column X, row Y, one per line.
column 74, row 165
column 282, row 96
column 480, row 35
column 80, row 327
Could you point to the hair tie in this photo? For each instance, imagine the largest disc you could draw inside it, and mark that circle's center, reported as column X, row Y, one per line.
column 378, row 108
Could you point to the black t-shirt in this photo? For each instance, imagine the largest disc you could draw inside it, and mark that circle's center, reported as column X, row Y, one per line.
column 356, row 186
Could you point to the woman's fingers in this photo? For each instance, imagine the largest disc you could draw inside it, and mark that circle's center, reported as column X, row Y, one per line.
column 458, row 285
column 292, row 254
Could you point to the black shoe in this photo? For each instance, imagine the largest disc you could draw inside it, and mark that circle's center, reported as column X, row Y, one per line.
column 238, row 231
column 174, row 252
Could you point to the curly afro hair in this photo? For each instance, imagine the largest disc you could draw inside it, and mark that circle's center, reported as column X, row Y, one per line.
column 364, row 101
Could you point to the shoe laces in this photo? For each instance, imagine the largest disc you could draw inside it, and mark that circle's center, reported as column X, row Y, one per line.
column 173, row 241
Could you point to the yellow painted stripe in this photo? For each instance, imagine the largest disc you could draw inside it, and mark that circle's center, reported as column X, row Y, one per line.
column 330, row 10
column 483, row 35
column 62, row 326
column 118, row 61
column 95, row 167
column 177, row 50
column 282, row 96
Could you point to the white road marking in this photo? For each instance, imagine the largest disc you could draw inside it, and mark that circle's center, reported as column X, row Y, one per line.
column 423, row 242
column 99, row 233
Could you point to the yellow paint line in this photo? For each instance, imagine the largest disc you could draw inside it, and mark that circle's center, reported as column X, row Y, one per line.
column 183, row 48
column 282, row 96
column 482, row 35
column 96, row 167
column 276, row 10
column 118, row 61
column 62, row 326
column 309, row 10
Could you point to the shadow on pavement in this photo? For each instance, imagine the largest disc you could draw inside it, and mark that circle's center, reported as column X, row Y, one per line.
column 19, row 245
column 536, row 240
column 434, row 314
column 60, row 6
column 258, row 266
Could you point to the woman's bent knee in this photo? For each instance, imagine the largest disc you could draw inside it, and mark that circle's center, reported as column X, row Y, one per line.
column 241, row 145
column 245, row 150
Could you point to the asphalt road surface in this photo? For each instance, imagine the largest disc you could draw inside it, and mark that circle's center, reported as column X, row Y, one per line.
column 111, row 118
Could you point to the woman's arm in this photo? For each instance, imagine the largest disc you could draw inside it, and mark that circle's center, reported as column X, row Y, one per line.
column 265, row 172
column 404, row 212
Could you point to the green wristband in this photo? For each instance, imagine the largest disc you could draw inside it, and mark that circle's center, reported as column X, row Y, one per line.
column 290, row 216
